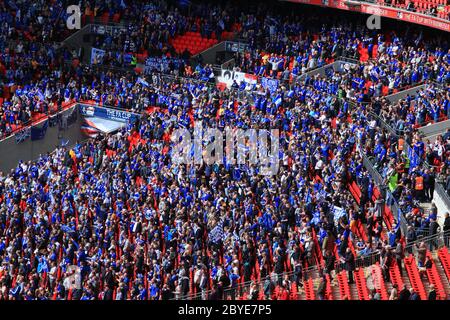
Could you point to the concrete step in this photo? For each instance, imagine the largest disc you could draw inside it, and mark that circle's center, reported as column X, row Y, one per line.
column 426, row 283
column 389, row 287
column 301, row 293
column 406, row 281
column 335, row 290
column 354, row 292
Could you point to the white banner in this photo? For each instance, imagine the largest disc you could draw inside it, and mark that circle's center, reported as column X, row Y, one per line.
column 338, row 213
column 73, row 278
column 229, row 76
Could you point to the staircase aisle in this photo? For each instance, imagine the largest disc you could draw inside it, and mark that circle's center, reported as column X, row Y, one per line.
column 335, row 290
column 354, row 292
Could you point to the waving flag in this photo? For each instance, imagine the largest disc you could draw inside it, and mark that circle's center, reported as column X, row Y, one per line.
column 278, row 101
column 64, row 143
column 271, row 84
column 399, row 213
column 40, row 95
column 216, row 234
column 338, row 212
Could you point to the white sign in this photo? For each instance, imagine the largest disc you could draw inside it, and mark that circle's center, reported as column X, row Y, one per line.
column 229, row 76
column 73, row 279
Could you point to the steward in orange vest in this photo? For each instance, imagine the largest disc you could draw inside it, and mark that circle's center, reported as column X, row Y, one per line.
column 419, row 183
column 401, row 144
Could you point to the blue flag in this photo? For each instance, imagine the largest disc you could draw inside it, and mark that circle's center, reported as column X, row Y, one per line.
column 143, row 82
column 216, row 233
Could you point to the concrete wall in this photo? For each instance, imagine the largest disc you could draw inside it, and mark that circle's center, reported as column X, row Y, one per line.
column 435, row 128
column 442, row 202
column 209, row 55
column 76, row 41
column 337, row 66
column 393, row 98
column 11, row 151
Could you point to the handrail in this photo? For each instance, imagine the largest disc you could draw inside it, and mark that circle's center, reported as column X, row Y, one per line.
column 390, row 200
column 360, row 262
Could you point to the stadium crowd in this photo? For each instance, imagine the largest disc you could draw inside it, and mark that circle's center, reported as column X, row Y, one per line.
column 137, row 226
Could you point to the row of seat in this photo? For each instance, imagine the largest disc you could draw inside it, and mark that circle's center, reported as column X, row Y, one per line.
column 444, row 258
column 434, row 278
column 422, row 6
column 414, row 277
column 195, row 43
column 378, row 281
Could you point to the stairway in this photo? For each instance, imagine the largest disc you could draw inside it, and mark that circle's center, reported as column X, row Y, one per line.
column 426, row 284
column 301, row 293
column 406, row 281
column 354, row 292
column 335, row 289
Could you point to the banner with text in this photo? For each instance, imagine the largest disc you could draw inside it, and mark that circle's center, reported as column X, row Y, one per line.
column 108, row 113
column 229, row 76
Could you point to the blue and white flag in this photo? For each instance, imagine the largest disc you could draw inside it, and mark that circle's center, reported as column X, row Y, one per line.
column 97, row 55
column 216, row 233
column 64, row 143
column 23, row 134
column 13, row 5
column 271, row 84
column 143, row 82
column 67, row 229
column 278, row 101
column 338, row 212
column 399, row 213
column 40, row 95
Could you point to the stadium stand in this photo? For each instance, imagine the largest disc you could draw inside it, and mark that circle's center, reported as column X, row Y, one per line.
column 117, row 218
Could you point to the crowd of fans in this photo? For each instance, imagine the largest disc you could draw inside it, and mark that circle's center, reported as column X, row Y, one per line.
column 115, row 217
column 440, row 8
column 281, row 46
column 154, row 25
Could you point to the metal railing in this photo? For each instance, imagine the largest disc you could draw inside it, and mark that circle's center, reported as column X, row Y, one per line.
column 409, row 150
column 432, row 242
column 390, row 201
column 244, row 287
